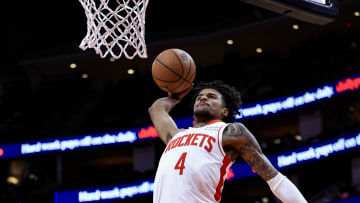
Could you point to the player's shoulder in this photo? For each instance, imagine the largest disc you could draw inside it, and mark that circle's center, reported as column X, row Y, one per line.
column 235, row 125
column 235, row 129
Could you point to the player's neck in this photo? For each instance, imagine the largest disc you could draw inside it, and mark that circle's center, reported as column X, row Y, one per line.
column 198, row 123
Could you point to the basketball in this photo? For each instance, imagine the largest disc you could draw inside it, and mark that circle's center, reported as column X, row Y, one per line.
column 173, row 70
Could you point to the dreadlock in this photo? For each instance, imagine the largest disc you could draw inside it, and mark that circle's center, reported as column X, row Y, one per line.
column 231, row 97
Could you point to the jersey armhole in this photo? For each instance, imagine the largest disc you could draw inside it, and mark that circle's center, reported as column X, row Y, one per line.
column 172, row 137
column 220, row 136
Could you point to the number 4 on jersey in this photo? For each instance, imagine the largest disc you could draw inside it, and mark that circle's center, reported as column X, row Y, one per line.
column 180, row 163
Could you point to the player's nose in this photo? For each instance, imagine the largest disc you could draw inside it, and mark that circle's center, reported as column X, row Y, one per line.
column 203, row 97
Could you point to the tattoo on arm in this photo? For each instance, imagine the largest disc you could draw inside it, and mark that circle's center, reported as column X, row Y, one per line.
column 258, row 162
column 233, row 130
column 250, row 151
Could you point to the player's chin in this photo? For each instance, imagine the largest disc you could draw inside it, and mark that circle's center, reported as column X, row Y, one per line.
column 202, row 112
column 200, row 108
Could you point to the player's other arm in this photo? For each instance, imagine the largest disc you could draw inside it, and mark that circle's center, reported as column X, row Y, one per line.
column 240, row 140
column 159, row 113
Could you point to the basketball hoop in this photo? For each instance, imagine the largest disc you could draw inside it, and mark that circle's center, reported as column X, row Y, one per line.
column 115, row 27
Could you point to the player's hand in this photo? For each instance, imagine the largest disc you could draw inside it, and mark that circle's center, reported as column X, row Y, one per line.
column 180, row 95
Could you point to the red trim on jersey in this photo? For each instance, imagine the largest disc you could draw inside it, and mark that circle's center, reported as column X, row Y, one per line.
column 209, row 123
column 218, row 141
column 226, row 162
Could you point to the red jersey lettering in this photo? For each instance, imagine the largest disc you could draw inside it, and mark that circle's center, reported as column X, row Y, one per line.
column 176, row 143
column 187, row 143
column 169, row 145
column 203, row 139
column 181, row 139
column 195, row 138
column 210, row 146
column 192, row 139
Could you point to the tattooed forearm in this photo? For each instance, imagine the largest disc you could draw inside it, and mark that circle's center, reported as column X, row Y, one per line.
column 249, row 149
column 258, row 161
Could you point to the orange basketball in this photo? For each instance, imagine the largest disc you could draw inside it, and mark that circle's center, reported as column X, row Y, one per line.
column 173, row 70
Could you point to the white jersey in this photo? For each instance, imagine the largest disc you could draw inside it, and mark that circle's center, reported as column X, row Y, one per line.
column 193, row 167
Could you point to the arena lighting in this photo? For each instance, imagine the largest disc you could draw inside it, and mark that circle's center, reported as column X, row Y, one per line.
column 265, row 200
column 12, row 180
column 131, row 71
column 71, row 144
column 277, row 141
column 240, row 170
column 67, row 144
column 310, row 96
column 229, row 42
column 298, row 137
column 286, row 103
column 318, row 151
column 348, row 84
column 84, row 76
column 295, row 27
column 73, row 65
column 148, row 132
column 105, row 194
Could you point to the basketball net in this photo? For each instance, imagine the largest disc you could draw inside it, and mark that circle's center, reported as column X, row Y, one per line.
column 115, row 28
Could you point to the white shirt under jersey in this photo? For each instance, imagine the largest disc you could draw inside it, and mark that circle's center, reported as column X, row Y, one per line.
column 193, row 167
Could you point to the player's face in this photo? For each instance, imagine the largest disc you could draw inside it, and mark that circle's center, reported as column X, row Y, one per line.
column 209, row 104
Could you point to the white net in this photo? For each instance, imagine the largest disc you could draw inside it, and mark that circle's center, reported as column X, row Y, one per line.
column 115, row 27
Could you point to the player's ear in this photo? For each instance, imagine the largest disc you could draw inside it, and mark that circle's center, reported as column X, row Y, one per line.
column 225, row 112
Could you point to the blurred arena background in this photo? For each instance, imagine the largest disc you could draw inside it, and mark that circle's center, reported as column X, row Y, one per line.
column 51, row 91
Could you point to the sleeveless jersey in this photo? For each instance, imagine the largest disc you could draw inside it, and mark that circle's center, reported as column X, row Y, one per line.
column 193, row 166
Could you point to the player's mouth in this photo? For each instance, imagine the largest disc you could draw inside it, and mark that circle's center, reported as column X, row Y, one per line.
column 203, row 104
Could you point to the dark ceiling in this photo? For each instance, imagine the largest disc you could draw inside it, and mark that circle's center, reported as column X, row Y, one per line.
column 48, row 34
column 37, row 25
column 33, row 29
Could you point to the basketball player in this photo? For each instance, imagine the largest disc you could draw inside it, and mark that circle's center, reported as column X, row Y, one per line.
column 196, row 160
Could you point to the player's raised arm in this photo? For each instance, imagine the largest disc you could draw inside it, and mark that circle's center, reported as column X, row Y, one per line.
column 164, row 124
column 241, row 142
column 159, row 113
